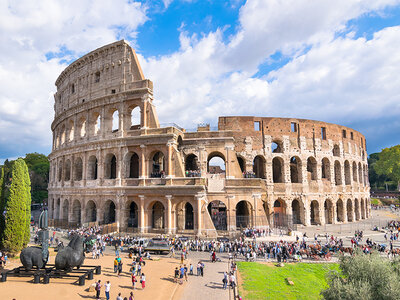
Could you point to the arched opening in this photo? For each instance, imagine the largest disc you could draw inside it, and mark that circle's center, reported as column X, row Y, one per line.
column 76, row 213
column 354, row 171
column 135, row 118
column 109, row 212
column 65, row 210
column 259, row 167
column 338, row 173
column 311, row 169
column 115, row 121
column 314, row 213
column 157, row 213
column 60, row 171
column 328, row 209
column 110, row 167
column 241, row 164
column 295, row 170
column 97, row 124
column 279, row 213
column 339, row 211
column 357, row 209
column 78, row 169
column 360, row 176
column 189, row 216
column 326, row 169
column 91, row 211
column 218, row 214
column 349, row 210
column 276, row 147
column 192, row 166
column 67, row 176
column 243, row 214
column 277, row 170
column 179, row 142
column 82, row 127
column 296, row 208
column 216, row 163
column 133, row 220
column 158, row 165
column 92, row 168
column 362, row 209
column 57, row 209
column 71, row 131
column 347, row 176
column 63, row 134
column 133, row 171
column 336, row 150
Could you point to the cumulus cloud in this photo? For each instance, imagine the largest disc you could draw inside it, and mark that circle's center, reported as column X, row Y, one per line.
column 38, row 38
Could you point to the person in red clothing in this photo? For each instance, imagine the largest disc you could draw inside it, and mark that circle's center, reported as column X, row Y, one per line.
column 143, row 281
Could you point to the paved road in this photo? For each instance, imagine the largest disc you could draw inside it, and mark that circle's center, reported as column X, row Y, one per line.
column 210, row 286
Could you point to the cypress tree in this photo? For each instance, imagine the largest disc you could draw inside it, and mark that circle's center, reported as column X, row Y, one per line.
column 17, row 220
column 2, row 202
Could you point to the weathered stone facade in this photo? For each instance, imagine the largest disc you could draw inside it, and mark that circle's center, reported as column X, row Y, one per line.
column 112, row 162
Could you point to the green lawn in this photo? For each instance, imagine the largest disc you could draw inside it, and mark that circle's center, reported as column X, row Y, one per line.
column 260, row 281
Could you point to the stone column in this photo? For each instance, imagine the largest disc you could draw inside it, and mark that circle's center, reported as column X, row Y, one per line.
column 169, row 215
column 199, row 201
column 256, row 197
column 231, row 222
column 169, row 159
column 307, row 215
column 227, row 162
column 141, row 213
column 143, row 162
column 145, row 100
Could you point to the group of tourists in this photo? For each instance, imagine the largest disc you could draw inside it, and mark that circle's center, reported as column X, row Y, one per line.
column 193, row 173
column 3, row 259
column 107, row 288
column 249, row 174
column 157, row 174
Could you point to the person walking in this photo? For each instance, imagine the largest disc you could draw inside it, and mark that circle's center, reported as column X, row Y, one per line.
column 98, row 289
column 115, row 265
column 131, row 296
column 143, row 281
column 107, row 287
column 119, row 268
column 225, row 280
column 119, row 297
column 134, row 280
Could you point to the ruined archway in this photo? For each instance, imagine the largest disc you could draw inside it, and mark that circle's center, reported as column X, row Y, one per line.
column 132, row 165
column 277, row 146
column 279, row 213
column 78, row 169
column 362, row 208
column 157, row 213
column 91, row 211
column 218, row 214
column 92, row 168
column 277, row 170
column 326, row 169
column 133, row 220
column 110, row 167
column 259, row 167
column 67, row 176
column 158, row 165
column 242, row 164
column 347, row 173
column 356, row 209
column 65, row 210
column 192, row 166
column 243, row 214
column 338, row 173
column 76, row 212
column 297, row 211
column 109, row 212
column 349, row 207
column 354, row 171
column 328, row 211
column 295, row 170
column 216, row 163
column 189, row 216
column 311, row 169
column 339, row 211
column 314, row 213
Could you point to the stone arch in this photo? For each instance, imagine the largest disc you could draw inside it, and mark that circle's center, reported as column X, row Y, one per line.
column 347, row 173
column 259, row 167
column 326, row 169
column 328, row 211
column 336, row 150
column 92, row 168
column 277, row 146
column 297, row 211
column 354, row 171
column 244, row 212
column 97, row 123
column 91, row 211
column 157, row 215
column 135, row 117
column 82, row 127
column 71, row 131
column 349, row 206
column 295, row 170
column 362, row 208
column 110, row 166
column 339, row 210
column 60, row 171
column 133, row 218
column 65, row 209
column 338, row 173
column 78, row 169
column 63, row 133
column 131, row 163
column 242, row 163
column 57, row 209
column 356, row 209
column 76, row 212
column 277, row 170
column 157, row 164
column 185, row 216
column 218, row 213
column 315, row 218
column 67, row 175
column 311, row 169
column 280, row 212
column 360, row 177
column 115, row 121
column 109, row 212
column 191, row 162
column 216, row 163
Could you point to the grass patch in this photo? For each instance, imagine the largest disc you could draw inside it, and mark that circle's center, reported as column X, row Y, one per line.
column 260, row 281
column 376, row 201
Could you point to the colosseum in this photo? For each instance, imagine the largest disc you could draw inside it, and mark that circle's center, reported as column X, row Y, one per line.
column 113, row 163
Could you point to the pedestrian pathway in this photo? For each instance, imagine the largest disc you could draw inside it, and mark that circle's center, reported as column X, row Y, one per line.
column 210, row 285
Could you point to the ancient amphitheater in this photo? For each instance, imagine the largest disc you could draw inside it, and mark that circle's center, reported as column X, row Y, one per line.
column 112, row 162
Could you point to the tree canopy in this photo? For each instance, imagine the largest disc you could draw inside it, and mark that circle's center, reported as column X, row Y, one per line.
column 389, row 163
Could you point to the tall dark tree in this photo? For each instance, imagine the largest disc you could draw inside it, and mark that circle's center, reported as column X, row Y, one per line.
column 2, row 202
column 16, row 232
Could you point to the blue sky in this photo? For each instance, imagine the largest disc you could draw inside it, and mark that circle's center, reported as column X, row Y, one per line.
column 334, row 61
